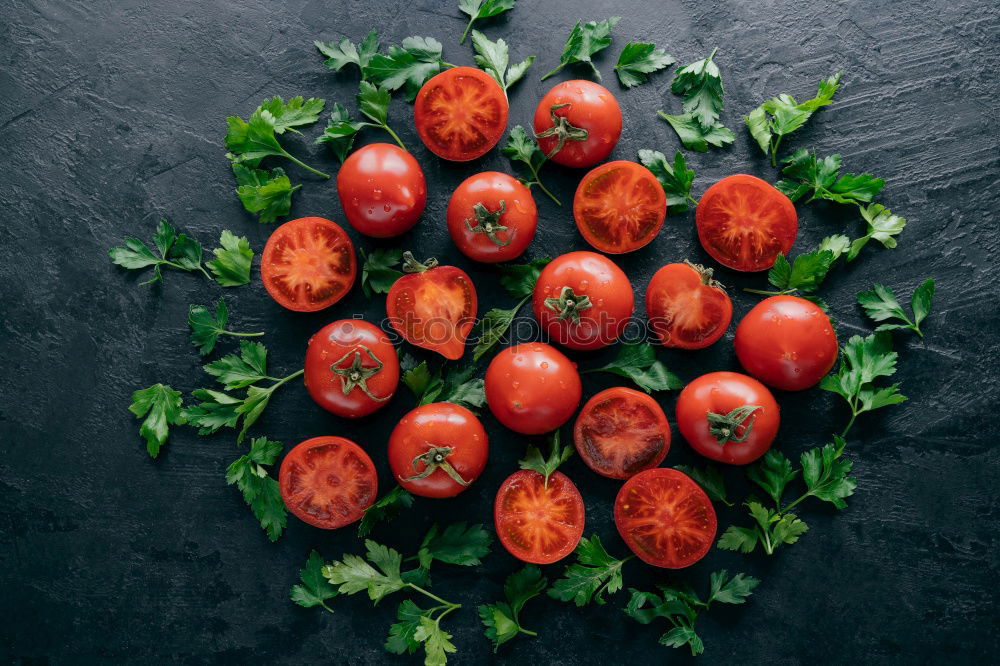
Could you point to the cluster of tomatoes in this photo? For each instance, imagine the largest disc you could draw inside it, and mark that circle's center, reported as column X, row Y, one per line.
column 582, row 301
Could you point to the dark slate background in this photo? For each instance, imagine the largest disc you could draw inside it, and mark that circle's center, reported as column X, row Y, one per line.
column 113, row 114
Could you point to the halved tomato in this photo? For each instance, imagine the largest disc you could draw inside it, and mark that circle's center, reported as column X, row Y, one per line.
column 665, row 518
column 619, row 207
column 308, row 264
column 461, row 113
column 433, row 307
column 535, row 522
column 687, row 308
column 328, row 482
column 621, row 432
column 744, row 223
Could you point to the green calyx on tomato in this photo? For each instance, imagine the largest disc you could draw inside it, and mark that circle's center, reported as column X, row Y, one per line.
column 569, row 305
column 411, row 265
column 356, row 375
column 726, row 427
column 562, row 130
column 435, row 458
column 488, row 222
column 705, row 274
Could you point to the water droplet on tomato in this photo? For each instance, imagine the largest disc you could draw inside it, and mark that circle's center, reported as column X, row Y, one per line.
column 545, row 365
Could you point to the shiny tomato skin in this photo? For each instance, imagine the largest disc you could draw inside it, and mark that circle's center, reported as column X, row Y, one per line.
column 537, row 523
column 438, row 424
column 744, row 223
column 621, row 432
column 721, row 393
column 532, row 388
column 589, row 275
column 592, row 107
column 460, row 114
column 665, row 518
column 382, row 190
column 434, row 309
column 308, row 264
column 786, row 342
column 686, row 308
column 495, row 191
column 619, row 207
column 335, row 347
column 328, row 482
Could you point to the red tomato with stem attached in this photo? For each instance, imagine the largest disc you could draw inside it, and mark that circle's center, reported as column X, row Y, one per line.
column 460, row 113
column 532, row 388
column 583, row 300
column 665, row 518
column 578, row 123
column 686, row 308
column 351, row 368
column 308, row 264
column 786, row 342
column 438, row 450
column 621, row 432
column 538, row 522
column 433, row 306
column 744, row 223
column 492, row 217
column 728, row 417
column 619, row 207
column 328, row 482
column 382, row 190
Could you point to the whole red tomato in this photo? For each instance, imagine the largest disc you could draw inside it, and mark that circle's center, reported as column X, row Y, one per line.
column 532, row 388
column 438, row 450
column 578, row 123
column 619, row 207
column 583, row 300
column 492, row 217
column 460, row 113
column 382, row 190
column 687, row 309
column 621, row 432
column 433, row 306
column 728, row 417
column 351, row 368
column 786, row 342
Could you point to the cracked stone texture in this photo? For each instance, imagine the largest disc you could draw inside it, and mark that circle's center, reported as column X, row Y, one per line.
column 113, row 115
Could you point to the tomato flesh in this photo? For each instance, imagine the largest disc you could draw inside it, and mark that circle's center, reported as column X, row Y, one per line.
column 460, row 114
column 328, row 482
column 434, row 309
column 619, row 207
column 687, row 309
column 621, row 432
column 665, row 518
column 308, row 264
column 538, row 523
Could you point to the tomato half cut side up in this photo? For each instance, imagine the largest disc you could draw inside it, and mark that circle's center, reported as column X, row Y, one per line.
column 665, row 518
column 308, row 264
column 621, row 432
column 460, row 114
column 686, row 308
column 328, row 482
column 619, row 207
column 744, row 223
column 537, row 523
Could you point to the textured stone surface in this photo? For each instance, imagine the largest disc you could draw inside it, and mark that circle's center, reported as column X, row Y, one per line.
column 112, row 115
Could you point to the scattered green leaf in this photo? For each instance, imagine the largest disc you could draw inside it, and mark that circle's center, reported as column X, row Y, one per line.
column 315, row 589
column 206, row 327
column 583, row 42
column 782, row 115
column 638, row 362
column 386, row 508
column 231, row 265
column 594, row 574
column 260, row 490
column 268, row 193
column 378, row 270
column 536, row 462
column 502, row 619
column 638, row 60
column 408, row 66
column 710, row 480
column 675, row 179
column 880, row 304
column 176, row 251
column 521, row 147
column 862, row 360
column 161, row 407
column 494, row 57
column 340, row 54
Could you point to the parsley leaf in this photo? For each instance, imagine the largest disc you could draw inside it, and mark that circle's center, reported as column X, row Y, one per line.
column 782, row 115
column 521, row 147
column 595, row 573
column 773, row 473
column 700, row 83
column 493, row 58
column 638, row 60
column 883, row 226
column 637, row 361
column 385, row 509
column 519, row 280
column 583, row 42
column 248, row 142
column 675, row 179
column 353, row 574
column 408, row 66
column 260, row 491
column 862, row 361
column 880, row 304
column 378, row 272
column 710, row 480
column 315, row 588
column 825, row 473
column 773, row 529
column 401, row 638
column 235, row 372
column 266, row 192
column 161, row 405
column 295, row 113
column 176, row 251
column 480, row 9
column 231, row 265
column 502, row 619
column 458, row 386
column 437, row 641
column 457, row 544
column 536, row 462
column 822, row 180
column 206, row 327
column 808, row 270
column 340, row 132
column 695, row 137
column 341, row 54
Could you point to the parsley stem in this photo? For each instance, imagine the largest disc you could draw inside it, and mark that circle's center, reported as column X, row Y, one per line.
column 551, row 73
column 529, row 632
column 691, row 199
column 394, row 136
column 774, row 151
column 286, row 379
column 304, row 165
column 467, row 28
column 243, row 335
column 854, row 415
column 538, row 181
column 450, row 606
column 712, row 54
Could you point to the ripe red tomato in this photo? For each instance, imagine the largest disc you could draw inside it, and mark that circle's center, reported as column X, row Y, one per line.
column 583, row 300
column 308, row 264
column 437, row 450
column 535, row 522
column 665, row 518
column 744, row 223
column 786, row 342
column 328, row 482
column 728, row 417
column 351, row 368
column 687, row 309
column 578, row 123
column 621, row 432
column 460, row 114
column 532, row 388
column 433, row 306
column 382, row 190
column 619, row 207
column 492, row 217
